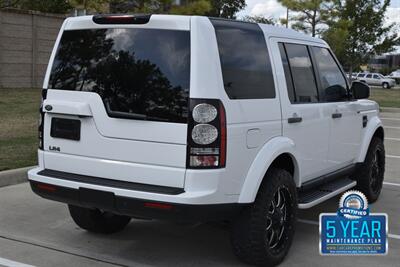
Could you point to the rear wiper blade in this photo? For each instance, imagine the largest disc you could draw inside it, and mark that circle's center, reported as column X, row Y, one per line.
column 128, row 115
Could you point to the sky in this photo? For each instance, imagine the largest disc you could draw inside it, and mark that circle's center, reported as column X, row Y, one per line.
column 271, row 8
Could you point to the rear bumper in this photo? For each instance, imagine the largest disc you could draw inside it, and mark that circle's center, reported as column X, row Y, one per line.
column 140, row 208
column 214, row 186
column 200, row 200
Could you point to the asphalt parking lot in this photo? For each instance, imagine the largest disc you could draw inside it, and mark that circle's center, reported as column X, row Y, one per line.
column 38, row 232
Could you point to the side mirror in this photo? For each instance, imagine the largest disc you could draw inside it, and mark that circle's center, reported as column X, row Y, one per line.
column 360, row 90
column 335, row 93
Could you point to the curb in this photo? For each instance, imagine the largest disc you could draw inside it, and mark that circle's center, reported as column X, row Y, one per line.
column 12, row 177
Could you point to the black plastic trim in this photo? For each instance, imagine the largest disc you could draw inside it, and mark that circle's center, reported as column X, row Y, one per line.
column 295, row 120
column 315, row 193
column 41, row 125
column 65, row 129
column 364, row 121
column 122, row 19
column 336, row 115
column 111, row 182
column 343, row 172
column 138, row 208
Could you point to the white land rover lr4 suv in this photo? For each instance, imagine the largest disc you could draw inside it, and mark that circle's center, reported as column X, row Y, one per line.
column 198, row 119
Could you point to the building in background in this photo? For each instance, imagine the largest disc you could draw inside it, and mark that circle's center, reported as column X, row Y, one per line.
column 385, row 63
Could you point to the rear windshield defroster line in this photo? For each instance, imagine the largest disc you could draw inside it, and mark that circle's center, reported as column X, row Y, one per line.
column 139, row 73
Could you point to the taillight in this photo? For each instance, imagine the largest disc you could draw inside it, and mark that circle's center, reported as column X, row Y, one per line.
column 41, row 119
column 206, row 134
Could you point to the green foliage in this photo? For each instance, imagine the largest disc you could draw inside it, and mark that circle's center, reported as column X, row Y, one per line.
column 48, row 6
column 387, row 70
column 309, row 14
column 226, row 8
column 359, row 32
column 134, row 6
column 90, row 5
column 260, row 19
column 215, row 8
column 199, row 7
column 335, row 36
column 9, row 3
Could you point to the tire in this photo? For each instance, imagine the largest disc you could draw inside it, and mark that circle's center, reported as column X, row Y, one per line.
column 370, row 173
column 251, row 233
column 97, row 221
column 385, row 86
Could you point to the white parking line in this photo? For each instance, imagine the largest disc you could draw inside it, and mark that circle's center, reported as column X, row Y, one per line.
column 392, row 139
column 394, row 236
column 308, row 222
column 317, row 223
column 392, row 119
column 10, row 263
column 388, row 183
column 393, row 156
column 391, row 127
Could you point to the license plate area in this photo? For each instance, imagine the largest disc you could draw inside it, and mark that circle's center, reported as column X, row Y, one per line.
column 65, row 128
column 97, row 199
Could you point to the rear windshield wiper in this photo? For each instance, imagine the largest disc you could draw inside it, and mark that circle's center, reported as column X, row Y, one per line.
column 128, row 115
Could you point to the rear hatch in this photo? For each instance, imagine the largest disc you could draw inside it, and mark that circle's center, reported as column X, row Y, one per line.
column 117, row 100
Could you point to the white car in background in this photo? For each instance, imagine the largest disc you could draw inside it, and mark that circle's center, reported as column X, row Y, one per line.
column 376, row 79
column 394, row 75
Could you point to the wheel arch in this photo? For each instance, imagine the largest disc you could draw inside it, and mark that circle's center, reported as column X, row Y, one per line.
column 278, row 152
column 375, row 129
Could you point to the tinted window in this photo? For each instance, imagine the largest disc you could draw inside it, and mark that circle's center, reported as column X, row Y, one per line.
column 360, row 75
column 333, row 83
column 246, row 68
column 288, row 75
column 376, row 77
column 139, row 73
column 302, row 73
column 368, row 76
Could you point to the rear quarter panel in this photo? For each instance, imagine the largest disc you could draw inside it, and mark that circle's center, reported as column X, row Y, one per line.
column 250, row 123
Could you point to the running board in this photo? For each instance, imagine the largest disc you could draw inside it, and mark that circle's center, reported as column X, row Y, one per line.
column 312, row 197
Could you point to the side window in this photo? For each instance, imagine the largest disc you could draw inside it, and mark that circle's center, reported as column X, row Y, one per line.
column 288, row 75
column 368, row 76
column 376, row 77
column 333, row 83
column 302, row 73
column 245, row 63
column 360, row 75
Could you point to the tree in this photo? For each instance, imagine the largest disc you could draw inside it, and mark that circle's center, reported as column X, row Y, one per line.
column 198, row 7
column 126, row 6
column 309, row 14
column 260, row 19
column 360, row 32
column 8, row 3
column 226, row 8
column 48, row 6
column 90, row 5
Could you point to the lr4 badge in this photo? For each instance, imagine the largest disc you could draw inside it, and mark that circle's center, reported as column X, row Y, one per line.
column 353, row 230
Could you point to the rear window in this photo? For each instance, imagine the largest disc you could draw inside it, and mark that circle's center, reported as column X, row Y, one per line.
column 245, row 64
column 139, row 73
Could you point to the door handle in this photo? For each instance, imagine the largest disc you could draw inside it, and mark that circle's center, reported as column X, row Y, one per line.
column 336, row 115
column 67, row 107
column 295, row 119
